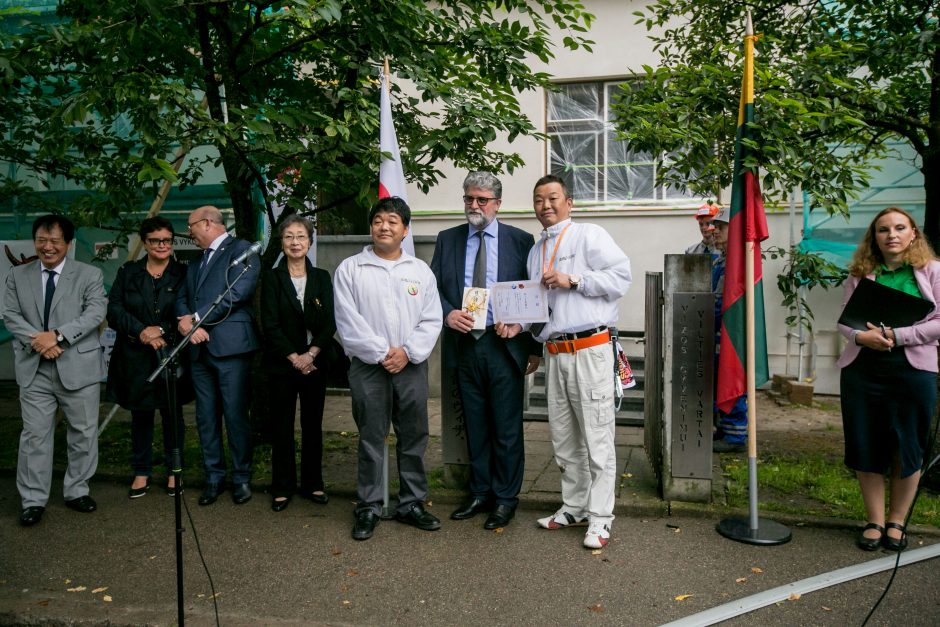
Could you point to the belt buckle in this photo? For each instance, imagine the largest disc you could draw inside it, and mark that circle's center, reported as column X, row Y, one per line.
column 569, row 344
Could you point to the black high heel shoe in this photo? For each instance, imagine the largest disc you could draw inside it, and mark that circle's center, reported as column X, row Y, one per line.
column 895, row 544
column 279, row 505
column 136, row 493
column 870, row 544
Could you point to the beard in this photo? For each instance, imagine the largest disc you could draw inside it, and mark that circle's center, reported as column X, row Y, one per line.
column 477, row 219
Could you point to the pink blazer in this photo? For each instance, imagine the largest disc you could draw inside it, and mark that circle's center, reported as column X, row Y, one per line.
column 920, row 339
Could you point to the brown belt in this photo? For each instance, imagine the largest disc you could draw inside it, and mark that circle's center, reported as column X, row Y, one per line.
column 569, row 346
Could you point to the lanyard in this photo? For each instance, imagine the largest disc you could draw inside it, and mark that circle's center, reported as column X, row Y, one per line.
column 554, row 251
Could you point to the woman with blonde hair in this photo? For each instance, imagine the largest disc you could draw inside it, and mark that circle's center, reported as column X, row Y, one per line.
column 889, row 396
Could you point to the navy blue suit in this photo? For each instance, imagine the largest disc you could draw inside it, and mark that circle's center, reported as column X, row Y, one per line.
column 221, row 367
column 490, row 370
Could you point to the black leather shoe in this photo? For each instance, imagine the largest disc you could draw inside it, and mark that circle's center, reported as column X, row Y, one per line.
column 241, row 493
column 279, row 505
column 366, row 520
column 84, row 504
column 419, row 517
column 895, row 544
column 31, row 515
column 211, row 493
column 870, row 544
column 500, row 517
column 319, row 499
column 472, row 508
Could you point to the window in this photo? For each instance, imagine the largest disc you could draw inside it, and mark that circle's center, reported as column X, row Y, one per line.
column 585, row 153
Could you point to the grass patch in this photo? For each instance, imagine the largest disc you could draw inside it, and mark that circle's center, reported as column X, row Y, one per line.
column 811, row 484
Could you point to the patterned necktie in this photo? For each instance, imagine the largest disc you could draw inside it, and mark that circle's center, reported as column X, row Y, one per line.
column 205, row 259
column 479, row 274
column 50, row 292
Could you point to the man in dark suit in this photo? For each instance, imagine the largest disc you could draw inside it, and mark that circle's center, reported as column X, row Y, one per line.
column 490, row 370
column 221, row 350
column 53, row 309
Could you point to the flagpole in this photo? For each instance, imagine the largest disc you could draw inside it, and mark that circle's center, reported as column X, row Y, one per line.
column 752, row 530
column 387, row 513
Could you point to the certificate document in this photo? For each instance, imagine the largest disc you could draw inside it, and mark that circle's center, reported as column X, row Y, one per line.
column 476, row 302
column 519, row 301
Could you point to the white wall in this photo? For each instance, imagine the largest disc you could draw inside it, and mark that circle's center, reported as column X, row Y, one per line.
column 647, row 235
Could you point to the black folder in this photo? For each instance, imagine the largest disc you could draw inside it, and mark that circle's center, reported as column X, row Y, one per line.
column 880, row 304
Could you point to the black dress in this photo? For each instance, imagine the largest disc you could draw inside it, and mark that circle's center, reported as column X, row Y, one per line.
column 138, row 300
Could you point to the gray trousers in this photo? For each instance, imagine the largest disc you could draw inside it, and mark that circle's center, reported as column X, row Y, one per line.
column 380, row 399
column 38, row 404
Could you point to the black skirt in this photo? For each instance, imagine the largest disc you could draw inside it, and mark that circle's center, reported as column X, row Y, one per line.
column 887, row 408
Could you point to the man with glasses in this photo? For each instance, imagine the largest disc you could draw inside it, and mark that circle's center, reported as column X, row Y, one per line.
column 490, row 370
column 221, row 350
column 53, row 309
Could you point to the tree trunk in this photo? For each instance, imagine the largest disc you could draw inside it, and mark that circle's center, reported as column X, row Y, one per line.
column 931, row 170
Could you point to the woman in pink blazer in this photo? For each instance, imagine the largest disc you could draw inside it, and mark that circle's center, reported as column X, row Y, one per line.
column 888, row 396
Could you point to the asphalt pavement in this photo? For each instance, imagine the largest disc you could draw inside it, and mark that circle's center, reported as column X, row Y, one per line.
column 117, row 566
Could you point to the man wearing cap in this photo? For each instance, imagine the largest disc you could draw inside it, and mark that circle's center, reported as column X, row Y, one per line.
column 704, row 215
column 731, row 433
column 586, row 274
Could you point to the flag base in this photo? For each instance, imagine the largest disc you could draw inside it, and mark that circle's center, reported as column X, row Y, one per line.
column 768, row 532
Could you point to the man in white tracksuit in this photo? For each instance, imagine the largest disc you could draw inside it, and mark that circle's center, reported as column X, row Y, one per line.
column 388, row 315
column 586, row 274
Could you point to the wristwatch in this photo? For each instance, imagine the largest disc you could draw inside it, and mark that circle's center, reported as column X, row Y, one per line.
column 574, row 280
column 59, row 338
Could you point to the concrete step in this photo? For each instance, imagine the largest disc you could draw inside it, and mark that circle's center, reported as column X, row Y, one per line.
column 624, row 418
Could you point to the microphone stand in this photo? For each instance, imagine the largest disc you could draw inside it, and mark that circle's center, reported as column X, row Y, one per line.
column 169, row 367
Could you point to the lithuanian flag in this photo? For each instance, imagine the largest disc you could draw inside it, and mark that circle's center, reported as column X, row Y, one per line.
column 746, row 223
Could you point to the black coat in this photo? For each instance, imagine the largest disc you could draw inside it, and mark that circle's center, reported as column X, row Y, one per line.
column 285, row 325
column 133, row 305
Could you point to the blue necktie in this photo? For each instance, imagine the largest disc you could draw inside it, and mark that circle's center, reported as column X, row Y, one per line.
column 205, row 259
column 47, row 305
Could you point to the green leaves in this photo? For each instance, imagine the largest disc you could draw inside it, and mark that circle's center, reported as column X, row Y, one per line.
column 835, row 83
column 103, row 99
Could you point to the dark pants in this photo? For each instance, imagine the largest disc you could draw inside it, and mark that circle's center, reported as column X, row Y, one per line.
column 491, row 392
column 142, row 439
column 284, row 388
column 380, row 399
column 222, row 391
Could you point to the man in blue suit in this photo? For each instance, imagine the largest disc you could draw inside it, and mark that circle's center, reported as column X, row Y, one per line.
column 221, row 350
column 490, row 370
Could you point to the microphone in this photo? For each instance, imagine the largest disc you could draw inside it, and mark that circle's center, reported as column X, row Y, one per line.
column 255, row 249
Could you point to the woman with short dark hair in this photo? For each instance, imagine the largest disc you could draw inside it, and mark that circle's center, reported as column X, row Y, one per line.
column 141, row 311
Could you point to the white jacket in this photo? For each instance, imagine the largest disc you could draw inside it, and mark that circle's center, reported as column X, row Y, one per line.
column 381, row 304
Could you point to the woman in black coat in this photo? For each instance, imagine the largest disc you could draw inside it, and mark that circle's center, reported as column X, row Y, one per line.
column 141, row 311
column 297, row 320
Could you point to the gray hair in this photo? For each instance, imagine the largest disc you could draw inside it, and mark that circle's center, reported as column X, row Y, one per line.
column 293, row 219
column 483, row 180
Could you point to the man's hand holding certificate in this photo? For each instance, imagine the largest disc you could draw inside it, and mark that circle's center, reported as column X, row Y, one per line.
column 519, row 302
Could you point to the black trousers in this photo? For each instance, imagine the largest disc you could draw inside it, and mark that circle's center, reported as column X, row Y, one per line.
column 285, row 388
column 491, row 392
column 142, row 439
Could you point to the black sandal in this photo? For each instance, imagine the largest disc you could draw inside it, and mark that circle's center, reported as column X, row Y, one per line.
column 870, row 544
column 895, row 544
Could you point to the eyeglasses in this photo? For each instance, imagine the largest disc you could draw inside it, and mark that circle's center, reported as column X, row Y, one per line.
column 300, row 239
column 480, row 200
column 160, row 242
column 192, row 224
column 55, row 241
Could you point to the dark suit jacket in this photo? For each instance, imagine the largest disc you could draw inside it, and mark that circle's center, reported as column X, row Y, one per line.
column 231, row 325
column 78, row 307
column 133, row 306
column 449, row 265
column 285, row 324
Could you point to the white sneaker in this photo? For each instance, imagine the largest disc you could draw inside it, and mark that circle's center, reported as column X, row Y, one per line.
column 560, row 520
column 597, row 536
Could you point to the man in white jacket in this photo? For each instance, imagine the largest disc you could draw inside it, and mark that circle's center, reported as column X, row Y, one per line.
column 586, row 274
column 388, row 315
